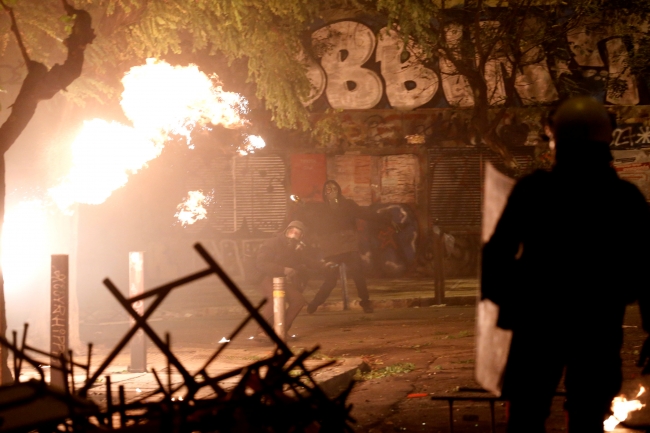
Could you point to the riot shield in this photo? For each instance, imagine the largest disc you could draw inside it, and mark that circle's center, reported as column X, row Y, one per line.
column 492, row 343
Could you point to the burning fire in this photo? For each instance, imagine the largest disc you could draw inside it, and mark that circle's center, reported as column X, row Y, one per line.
column 621, row 408
column 160, row 100
column 252, row 143
column 103, row 155
column 193, row 208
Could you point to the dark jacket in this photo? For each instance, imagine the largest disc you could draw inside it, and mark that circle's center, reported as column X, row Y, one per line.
column 336, row 226
column 275, row 254
column 569, row 252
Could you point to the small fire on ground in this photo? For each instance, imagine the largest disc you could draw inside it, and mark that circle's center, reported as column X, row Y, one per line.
column 621, row 407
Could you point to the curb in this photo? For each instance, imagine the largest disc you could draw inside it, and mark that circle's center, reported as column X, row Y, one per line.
column 380, row 304
column 377, row 303
column 335, row 379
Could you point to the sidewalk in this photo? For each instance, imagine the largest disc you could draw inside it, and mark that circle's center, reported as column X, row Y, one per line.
column 402, row 293
column 210, row 299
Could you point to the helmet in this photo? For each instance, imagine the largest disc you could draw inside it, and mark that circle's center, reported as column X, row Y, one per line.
column 582, row 129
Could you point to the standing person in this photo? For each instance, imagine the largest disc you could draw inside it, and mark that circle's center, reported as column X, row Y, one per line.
column 284, row 256
column 336, row 230
column 569, row 253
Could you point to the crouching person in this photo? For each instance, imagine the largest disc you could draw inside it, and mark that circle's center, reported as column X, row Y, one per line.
column 285, row 256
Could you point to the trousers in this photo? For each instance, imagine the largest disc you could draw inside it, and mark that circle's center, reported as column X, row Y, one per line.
column 592, row 377
column 352, row 262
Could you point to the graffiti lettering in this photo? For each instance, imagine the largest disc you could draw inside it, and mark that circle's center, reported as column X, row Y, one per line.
column 622, row 137
column 346, row 46
column 643, row 135
column 408, row 83
column 349, row 86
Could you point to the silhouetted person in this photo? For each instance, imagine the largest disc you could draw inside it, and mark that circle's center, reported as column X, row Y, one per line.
column 570, row 251
column 284, row 256
column 336, row 230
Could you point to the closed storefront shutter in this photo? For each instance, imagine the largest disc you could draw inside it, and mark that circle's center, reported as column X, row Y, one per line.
column 250, row 189
column 456, row 185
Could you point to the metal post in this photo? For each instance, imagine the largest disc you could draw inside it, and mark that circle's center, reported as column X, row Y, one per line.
column 136, row 288
column 59, row 327
column 438, row 266
column 451, row 416
column 279, row 307
column 344, row 286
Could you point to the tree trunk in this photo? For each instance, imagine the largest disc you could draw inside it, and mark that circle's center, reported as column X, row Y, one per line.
column 40, row 84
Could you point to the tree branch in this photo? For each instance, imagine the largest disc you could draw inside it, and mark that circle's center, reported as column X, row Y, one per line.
column 42, row 84
column 14, row 30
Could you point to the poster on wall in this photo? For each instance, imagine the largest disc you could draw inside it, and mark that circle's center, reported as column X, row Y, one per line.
column 634, row 166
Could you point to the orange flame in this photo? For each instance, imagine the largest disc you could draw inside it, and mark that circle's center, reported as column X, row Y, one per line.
column 103, row 155
column 160, row 100
column 192, row 209
column 252, row 143
column 622, row 407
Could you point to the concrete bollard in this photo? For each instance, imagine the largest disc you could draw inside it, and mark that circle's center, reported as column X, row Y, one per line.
column 136, row 287
column 59, row 323
column 344, row 286
column 279, row 307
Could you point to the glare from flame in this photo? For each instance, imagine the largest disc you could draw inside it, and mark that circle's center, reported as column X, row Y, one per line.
column 251, row 143
column 104, row 154
column 25, row 236
column 193, row 208
column 621, row 408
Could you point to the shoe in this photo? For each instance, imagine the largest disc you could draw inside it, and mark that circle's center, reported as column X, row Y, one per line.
column 367, row 306
column 311, row 308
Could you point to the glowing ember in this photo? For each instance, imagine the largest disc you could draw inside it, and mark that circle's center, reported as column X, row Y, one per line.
column 251, row 143
column 161, row 99
column 193, row 208
column 621, row 408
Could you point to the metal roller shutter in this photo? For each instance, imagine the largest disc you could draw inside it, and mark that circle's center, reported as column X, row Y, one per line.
column 250, row 188
column 456, row 184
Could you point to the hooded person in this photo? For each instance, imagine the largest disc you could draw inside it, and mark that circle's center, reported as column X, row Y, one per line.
column 338, row 239
column 284, row 256
column 567, row 256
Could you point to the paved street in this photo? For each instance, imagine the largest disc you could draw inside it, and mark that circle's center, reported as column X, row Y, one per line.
column 426, row 351
column 414, row 348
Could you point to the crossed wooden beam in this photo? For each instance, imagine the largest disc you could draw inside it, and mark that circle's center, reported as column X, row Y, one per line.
column 160, row 293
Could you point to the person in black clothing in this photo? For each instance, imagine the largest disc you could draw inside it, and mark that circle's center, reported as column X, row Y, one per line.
column 284, row 256
column 338, row 238
column 569, row 253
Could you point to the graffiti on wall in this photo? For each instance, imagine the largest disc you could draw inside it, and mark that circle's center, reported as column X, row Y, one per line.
column 361, row 67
